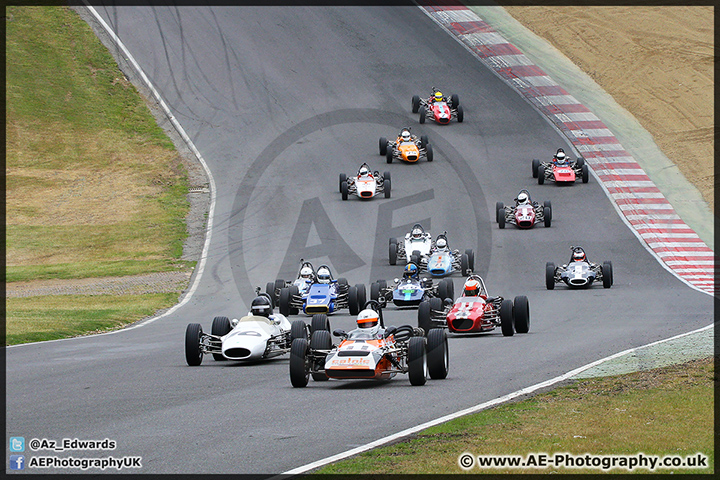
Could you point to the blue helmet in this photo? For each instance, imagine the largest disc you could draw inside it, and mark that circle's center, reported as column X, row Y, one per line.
column 411, row 271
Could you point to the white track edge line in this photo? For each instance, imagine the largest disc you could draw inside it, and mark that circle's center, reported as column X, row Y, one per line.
column 479, row 407
column 213, row 192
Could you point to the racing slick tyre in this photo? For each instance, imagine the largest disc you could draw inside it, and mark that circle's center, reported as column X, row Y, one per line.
column 375, row 291
column 294, row 292
column 464, row 264
column 541, row 175
column 344, row 190
column 442, row 290
column 298, row 329
column 471, row 258
column 423, row 114
column 417, row 361
column 320, row 340
column 353, row 301
column 612, row 275
column 535, row 167
column 460, row 114
column 548, row 204
column 220, row 327
column 549, row 275
column 387, row 185
column 299, row 369
column 424, row 320
column 585, row 173
column 319, row 322
column 429, row 152
column 455, row 100
column 506, row 318
column 415, row 258
column 501, row 218
column 284, row 303
column 383, row 144
column 343, row 178
column 392, row 251
column 270, row 290
column 521, row 311
column 580, row 162
column 499, row 206
column 342, row 281
column 547, row 214
column 424, row 141
column 389, row 156
column 450, row 288
column 193, row 354
column 606, row 270
column 415, row 103
column 361, row 294
column 438, row 357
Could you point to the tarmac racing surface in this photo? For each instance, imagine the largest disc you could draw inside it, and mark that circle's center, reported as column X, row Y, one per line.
column 279, row 101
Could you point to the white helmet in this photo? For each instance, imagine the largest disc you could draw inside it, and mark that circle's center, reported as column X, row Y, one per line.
column 417, row 232
column 364, row 171
column 441, row 243
column 405, row 135
column 368, row 318
column 522, row 198
column 306, row 272
column 560, row 157
column 323, row 275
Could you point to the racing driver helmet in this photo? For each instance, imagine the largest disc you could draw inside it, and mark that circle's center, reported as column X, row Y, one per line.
column 560, row 156
column 578, row 255
column 441, row 243
column 438, row 96
column 323, row 275
column 306, row 272
column 405, row 136
column 522, row 198
column 364, row 171
column 471, row 288
column 261, row 306
column 368, row 318
column 417, row 232
column 411, row 271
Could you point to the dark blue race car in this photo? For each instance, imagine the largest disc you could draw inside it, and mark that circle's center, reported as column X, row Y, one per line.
column 325, row 295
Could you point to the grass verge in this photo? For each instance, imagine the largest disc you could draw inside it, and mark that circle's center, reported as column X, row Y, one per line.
column 37, row 319
column 668, row 411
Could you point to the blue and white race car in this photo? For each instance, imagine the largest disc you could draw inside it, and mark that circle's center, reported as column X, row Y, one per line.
column 444, row 261
column 325, row 295
column 410, row 290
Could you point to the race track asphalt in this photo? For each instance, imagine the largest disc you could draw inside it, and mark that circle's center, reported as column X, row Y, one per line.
column 279, row 101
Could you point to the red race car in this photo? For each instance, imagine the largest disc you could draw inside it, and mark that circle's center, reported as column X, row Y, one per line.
column 560, row 169
column 438, row 108
column 476, row 312
column 525, row 213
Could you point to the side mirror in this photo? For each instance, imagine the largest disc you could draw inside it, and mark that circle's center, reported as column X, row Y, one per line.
column 389, row 331
column 339, row 333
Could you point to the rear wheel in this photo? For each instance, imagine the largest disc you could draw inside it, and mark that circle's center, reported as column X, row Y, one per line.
column 506, row 318
column 415, row 258
column 270, row 290
column 344, row 190
column 320, row 340
column 607, row 274
column 521, row 311
column 392, row 252
column 294, row 291
column 535, row 166
column 541, row 175
column 298, row 329
column 415, row 103
column 438, row 358
column 383, row 144
column 450, row 289
column 375, row 291
column 423, row 141
column 464, row 264
column 424, row 318
column 193, row 354
column 547, row 214
column 284, row 302
column 580, row 162
column 442, row 290
column 429, row 152
column 423, row 114
column 455, row 100
column 353, row 303
column 220, row 327
column 585, row 174
column 460, row 114
column 549, row 275
column 299, row 368
column 361, row 295
column 319, row 322
column 417, row 361
column 386, row 184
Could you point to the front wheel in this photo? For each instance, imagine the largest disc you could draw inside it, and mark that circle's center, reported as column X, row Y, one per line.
column 389, row 156
column 343, row 178
column 220, row 327
column 460, row 114
column 387, row 186
column 506, row 318
column 424, row 317
column 549, row 275
column 320, row 340
column 501, row 217
column 417, row 361
column 193, row 354
column 344, row 190
column 547, row 214
column 298, row 329
column 423, row 114
column 541, row 175
column 607, row 274
column 499, row 206
column 585, row 173
column 521, row 311
column 429, row 152
column 299, row 368
column 438, row 358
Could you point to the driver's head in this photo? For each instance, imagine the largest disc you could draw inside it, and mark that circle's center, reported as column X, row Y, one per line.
column 367, row 318
column 438, row 96
column 323, row 275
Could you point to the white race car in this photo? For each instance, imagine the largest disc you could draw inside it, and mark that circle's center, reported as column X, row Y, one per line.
column 366, row 184
column 258, row 335
column 416, row 245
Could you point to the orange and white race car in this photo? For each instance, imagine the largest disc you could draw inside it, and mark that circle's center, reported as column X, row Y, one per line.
column 366, row 184
column 371, row 351
column 406, row 147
